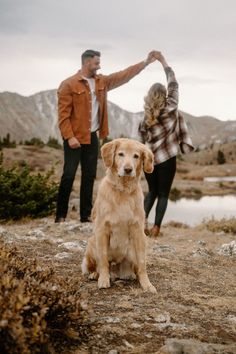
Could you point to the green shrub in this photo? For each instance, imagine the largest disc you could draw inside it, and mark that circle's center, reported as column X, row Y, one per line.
column 24, row 194
column 54, row 143
column 40, row 311
column 221, row 157
column 175, row 194
column 6, row 142
column 180, row 157
column 197, row 191
column 35, row 142
column 182, row 170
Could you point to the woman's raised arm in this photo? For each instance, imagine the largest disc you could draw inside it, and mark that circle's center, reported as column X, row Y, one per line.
column 172, row 84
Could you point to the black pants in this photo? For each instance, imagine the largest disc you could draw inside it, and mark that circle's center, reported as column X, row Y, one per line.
column 159, row 184
column 87, row 154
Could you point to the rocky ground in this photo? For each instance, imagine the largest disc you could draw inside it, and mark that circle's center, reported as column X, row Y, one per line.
column 193, row 270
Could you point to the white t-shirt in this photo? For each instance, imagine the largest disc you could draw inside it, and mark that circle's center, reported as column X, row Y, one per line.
column 95, row 105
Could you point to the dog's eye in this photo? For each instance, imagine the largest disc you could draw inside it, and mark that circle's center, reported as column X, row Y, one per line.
column 120, row 154
column 136, row 156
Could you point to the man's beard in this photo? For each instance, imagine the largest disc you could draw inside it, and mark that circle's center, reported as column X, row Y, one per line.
column 92, row 72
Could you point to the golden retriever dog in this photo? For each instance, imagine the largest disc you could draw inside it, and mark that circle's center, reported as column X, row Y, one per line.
column 118, row 247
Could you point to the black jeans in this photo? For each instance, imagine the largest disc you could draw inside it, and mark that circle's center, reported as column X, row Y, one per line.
column 159, row 184
column 87, row 154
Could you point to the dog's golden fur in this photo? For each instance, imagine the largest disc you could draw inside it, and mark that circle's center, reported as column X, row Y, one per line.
column 117, row 248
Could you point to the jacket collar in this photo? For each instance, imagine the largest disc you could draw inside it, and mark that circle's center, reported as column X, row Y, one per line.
column 80, row 77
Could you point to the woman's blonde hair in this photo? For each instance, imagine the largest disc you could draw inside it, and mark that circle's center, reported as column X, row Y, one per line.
column 154, row 102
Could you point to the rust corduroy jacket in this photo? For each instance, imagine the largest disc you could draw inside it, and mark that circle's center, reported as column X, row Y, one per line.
column 75, row 106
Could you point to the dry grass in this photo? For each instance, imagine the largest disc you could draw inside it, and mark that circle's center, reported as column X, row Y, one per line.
column 40, row 312
column 225, row 225
column 177, row 224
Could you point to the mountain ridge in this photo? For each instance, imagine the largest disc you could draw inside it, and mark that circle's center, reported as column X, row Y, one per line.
column 25, row 117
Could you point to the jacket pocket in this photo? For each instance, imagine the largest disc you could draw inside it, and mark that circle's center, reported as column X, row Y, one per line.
column 79, row 97
column 78, row 93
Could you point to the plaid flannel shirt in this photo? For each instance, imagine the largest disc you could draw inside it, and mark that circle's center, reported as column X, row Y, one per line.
column 169, row 134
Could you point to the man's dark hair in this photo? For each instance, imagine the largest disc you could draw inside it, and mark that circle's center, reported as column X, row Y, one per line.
column 89, row 53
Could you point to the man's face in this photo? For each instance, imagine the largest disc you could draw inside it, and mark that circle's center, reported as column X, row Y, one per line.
column 93, row 64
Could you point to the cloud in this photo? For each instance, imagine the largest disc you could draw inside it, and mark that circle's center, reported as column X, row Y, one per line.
column 45, row 39
column 197, row 80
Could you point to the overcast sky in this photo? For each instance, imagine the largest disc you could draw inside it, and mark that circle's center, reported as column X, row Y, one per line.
column 41, row 42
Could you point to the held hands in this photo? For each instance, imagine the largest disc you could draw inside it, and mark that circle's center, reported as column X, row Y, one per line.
column 73, row 143
column 158, row 55
column 151, row 57
column 155, row 55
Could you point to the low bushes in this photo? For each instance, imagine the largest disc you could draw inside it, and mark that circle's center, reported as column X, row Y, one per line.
column 225, row 225
column 24, row 194
column 39, row 311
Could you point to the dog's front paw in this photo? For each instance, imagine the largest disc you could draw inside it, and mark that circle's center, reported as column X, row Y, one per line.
column 103, row 282
column 150, row 288
column 93, row 276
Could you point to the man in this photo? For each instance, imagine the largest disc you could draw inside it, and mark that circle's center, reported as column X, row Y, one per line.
column 82, row 112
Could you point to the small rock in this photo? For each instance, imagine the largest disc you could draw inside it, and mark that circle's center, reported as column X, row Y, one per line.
column 58, row 240
column 231, row 319
column 75, row 227
column 86, row 227
column 36, row 233
column 201, row 252
column 109, row 319
column 113, row 351
column 62, row 255
column 163, row 248
column 163, row 318
column 129, row 345
column 185, row 346
column 201, row 243
column 135, row 325
column 83, row 243
column 147, row 318
column 227, row 249
column 3, row 231
column 73, row 246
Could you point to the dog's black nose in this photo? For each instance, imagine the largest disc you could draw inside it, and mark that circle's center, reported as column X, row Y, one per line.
column 128, row 170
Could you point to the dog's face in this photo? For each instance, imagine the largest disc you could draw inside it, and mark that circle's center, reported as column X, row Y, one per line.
column 127, row 157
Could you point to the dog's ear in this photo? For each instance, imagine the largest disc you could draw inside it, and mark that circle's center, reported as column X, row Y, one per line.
column 108, row 153
column 148, row 160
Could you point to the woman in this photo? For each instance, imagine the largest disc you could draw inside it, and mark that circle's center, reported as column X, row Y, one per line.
column 164, row 131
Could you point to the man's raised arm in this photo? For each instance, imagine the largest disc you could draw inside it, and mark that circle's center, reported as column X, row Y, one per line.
column 122, row 77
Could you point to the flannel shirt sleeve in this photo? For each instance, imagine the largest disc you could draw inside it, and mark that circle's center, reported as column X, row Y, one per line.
column 173, row 90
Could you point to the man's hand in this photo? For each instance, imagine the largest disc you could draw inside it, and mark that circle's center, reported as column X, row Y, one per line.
column 73, row 143
column 151, row 57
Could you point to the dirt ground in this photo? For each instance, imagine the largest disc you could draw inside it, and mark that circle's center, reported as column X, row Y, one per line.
column 196, row 289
